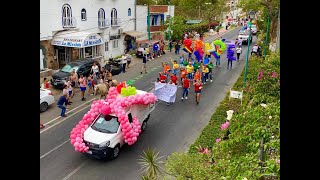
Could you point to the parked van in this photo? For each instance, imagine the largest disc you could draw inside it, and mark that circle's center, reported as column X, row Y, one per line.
column 104, row 137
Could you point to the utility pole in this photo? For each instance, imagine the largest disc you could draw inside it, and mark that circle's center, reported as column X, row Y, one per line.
column 266, row 41
column 149, row 38
column 169, row 30
column 135, row 15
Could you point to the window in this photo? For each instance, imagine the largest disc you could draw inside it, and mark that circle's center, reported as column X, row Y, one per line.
column 130, row 117
column 106, row 124
column 115, row 43
column 83, row 15
column 106, row 46
column 66, row 16
column 129, row 12
column 114, row 16
column 101, row 18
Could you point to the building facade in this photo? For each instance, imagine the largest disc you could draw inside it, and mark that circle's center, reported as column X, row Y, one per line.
column 159, row 14
column 72, row 30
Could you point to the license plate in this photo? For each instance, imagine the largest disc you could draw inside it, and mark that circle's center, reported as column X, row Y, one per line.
column 55, row 83
column 89, row 152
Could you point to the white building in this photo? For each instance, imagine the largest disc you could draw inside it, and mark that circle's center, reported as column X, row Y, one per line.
column 77, row 29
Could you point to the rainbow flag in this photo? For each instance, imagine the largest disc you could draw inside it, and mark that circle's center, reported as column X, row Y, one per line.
column 187, row 50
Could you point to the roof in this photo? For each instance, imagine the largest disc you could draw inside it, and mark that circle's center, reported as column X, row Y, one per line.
column 193, row 21
column 134, row 33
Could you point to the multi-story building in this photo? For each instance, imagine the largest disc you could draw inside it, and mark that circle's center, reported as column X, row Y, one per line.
column 159, row 14
column 77, row 29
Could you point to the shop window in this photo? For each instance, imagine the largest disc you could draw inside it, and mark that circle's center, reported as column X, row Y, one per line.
column 88, row 52
column 83, row 15
column 129, row 12
column 106, row 46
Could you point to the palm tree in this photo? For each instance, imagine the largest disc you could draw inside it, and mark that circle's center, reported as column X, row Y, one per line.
column 151, row 164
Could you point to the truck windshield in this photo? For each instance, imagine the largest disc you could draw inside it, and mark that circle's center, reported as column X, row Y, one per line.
column 106, row 124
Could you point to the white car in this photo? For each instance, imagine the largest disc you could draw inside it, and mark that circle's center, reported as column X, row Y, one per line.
column 244, row 36
column 104, row 136
column 46, row 99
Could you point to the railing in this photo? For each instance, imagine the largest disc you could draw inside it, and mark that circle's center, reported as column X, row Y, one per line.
column 69, row 22
column 115, row 22
column 156, row 28
column 103, row 23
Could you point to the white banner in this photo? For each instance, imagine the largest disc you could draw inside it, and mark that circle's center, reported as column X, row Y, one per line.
column 165, row 92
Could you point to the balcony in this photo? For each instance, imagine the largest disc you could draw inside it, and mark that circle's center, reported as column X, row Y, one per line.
column 103, row 23
column 69, row 22
column 157, row 28
column 115, row 22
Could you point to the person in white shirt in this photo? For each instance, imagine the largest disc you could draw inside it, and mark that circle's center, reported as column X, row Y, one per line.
column 124, row 63
column 255, row 49
column 239, row 50
column 95, row 69
column 128, row 59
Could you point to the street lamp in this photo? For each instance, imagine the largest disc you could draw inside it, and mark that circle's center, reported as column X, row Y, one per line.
column 251, row 16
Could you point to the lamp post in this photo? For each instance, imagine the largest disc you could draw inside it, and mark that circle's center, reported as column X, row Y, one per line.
column 266, row 42
column 251, row 16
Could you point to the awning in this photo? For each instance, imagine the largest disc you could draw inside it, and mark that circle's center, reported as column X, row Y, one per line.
column 134, row 33
column 76, row 39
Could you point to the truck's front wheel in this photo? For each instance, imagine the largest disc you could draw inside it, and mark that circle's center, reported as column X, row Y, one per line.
column 115, row 152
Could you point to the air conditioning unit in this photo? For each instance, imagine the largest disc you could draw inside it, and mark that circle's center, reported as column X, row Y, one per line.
column 120, row 31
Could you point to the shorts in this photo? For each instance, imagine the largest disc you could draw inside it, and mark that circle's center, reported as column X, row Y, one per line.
column 70, row 92
column 83, row 89
column 197, row 92
column 73, row 84
column 90, row 84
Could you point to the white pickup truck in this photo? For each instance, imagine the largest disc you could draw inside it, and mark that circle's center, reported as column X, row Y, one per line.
column 244, row 36
column 104, row 137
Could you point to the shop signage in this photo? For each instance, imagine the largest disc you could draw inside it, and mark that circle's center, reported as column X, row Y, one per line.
column 92, row 41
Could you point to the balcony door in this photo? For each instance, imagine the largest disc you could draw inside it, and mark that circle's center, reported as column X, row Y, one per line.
column 101, row 18
column 66, row 15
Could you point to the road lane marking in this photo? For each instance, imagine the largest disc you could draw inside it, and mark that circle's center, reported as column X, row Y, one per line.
column 64, row 119
column 67, row 112
column 74, row 171
column 54, row 149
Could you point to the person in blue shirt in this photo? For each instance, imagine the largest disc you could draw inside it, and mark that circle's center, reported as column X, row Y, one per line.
column 155, row 50
column 62, row 100
column 206, row 60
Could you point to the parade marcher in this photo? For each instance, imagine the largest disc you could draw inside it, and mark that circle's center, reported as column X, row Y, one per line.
column 170, row 45
column 175, row 66
column 183, row 73
column 177, row 47
column 83, row 86
column 205, row 74
column 90, row 79
column 190, row 70
column 238, row 50
column 155, row 50
column 144, row 64
column 181, row 60
column 109, row 78
column 124, row 63
column 197, row 90
column 185, row 87
column 174, row 78
column 166, row 68
column 163, row 78
column 70, row 91
column 218, row 61
column 62, row 100
column 196, row 65
column 65, row 91
column 129, row 57
column 185, row 62
column 197, row 75
column 101, row 81
column 210, row 67
column 95, row 69
column 229, row 63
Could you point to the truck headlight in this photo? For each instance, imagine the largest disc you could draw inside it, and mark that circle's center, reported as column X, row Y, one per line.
column 104, row 144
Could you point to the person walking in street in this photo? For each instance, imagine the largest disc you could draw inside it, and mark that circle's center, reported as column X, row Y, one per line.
column 95, row 69
column 83, row 85
column 238, row 50
column 254, row 49
column 197, row 89
column 183, row 73
column 73, row 79
column 124, row 63
column 155, row 50
column 197, row 75
column 170, row 45
column 129, row 57
column 66, row 92
column 161, row 48
column 185, row 87
column 166, row 68
column 218, row 61
column 162, row 77
column 90, row 82
column 229, row 65
column 190, row 70
column 210, row 67
column 45, row 84
column 109, row 78
column 175, row 66
column 174, row 78
column 205, row 74
column 63, row 100
column 177, row 47
column 144, row 64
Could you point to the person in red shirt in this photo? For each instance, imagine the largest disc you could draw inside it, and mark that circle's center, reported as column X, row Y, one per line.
column 185, row 87
column 174, row 78
column 46, row 84
column 197, row 90
column 163, row 78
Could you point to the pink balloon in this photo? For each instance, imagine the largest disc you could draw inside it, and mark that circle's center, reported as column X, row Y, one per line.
column 72, row 136
column 76, row 144
column 73, row 141
column 78, row 139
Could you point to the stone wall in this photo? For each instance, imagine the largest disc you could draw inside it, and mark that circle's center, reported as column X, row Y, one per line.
column 51, row 62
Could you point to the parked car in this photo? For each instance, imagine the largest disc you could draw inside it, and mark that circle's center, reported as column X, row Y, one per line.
column 46, row 99
column 104, row 136
column 80, row 66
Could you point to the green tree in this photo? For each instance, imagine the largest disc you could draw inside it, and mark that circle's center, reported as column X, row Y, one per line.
column 143, row 2
column 177, row 27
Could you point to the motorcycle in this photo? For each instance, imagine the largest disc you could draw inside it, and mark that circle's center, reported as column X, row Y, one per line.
column 114, row 66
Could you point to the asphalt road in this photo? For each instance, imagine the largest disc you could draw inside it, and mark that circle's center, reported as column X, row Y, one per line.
column 170, row 129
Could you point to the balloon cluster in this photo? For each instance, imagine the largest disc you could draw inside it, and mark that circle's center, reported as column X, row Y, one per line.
column 225, row 125
column 128, row 91
column 114, row 103
column 230, row 52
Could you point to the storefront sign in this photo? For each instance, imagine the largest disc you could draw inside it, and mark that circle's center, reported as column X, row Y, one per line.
column 92, row 41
